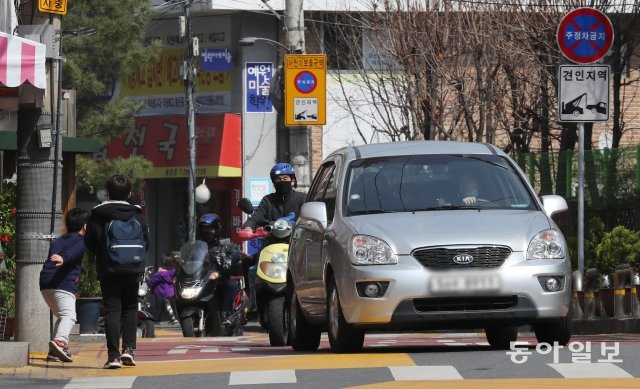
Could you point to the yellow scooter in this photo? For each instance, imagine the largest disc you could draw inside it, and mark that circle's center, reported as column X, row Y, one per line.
column 271, row 276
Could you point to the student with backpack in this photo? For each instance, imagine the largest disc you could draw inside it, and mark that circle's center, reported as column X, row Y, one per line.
column 119, row 237
column 59, row 282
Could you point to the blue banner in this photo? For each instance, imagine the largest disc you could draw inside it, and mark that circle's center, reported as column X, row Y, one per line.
column 215, row 60
column 258, row 80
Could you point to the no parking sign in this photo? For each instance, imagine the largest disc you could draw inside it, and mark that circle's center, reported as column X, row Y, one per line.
column 305, row 89
column 585, row 35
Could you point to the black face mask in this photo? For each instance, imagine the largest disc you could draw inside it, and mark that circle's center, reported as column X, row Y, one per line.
column 282, row 187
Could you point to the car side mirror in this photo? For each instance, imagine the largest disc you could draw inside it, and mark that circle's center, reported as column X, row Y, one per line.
column 554, row 204
column 316, row 211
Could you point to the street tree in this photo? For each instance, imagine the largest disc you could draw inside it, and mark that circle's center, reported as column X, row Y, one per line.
column 103, row 41
column 473, row 71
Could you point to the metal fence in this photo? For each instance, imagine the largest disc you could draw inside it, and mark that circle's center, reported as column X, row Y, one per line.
column 557, row 173
column 611, row 195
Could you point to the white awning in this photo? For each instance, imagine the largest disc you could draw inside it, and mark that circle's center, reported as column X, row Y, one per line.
column 22, row 60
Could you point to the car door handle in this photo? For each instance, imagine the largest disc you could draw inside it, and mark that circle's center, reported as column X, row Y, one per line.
column 308, row 240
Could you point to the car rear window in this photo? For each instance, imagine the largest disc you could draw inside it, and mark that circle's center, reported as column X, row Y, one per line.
column 434, row 182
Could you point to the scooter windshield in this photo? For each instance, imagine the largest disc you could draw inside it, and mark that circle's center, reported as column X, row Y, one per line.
column 194, row 260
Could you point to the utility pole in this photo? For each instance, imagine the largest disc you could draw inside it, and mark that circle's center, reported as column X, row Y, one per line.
column 39, row 177
column 191, row 49
column 299, row 137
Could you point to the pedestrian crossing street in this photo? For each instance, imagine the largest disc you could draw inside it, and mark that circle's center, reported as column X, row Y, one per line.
column 389, row 374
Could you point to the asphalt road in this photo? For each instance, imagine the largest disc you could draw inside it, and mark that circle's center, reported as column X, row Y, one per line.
column 388, row 360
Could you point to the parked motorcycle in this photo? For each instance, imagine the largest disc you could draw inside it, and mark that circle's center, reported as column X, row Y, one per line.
column 271, row 273
column 146, row 321
column 196, row 301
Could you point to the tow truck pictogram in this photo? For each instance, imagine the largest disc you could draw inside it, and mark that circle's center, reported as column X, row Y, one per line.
column 577, row 106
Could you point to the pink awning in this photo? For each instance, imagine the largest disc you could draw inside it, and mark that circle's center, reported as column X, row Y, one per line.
column 22, row 60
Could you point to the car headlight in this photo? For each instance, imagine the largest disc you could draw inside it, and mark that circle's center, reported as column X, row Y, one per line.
column 274, row 270
column 546, row 244
column 190, row 292
column 367, row 250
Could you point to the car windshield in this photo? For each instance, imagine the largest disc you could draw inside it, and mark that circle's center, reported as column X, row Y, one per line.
column 434, row 182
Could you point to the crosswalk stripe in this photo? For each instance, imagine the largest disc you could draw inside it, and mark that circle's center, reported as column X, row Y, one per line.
column 100, row 383
column 263, row 377
column 590, row 370
column 419, row 373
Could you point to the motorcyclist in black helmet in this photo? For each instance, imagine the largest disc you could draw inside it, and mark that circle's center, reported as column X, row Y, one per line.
column 225, row 258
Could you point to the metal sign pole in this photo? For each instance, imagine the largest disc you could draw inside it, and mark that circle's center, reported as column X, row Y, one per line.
column 584, row 36
column 581, row 197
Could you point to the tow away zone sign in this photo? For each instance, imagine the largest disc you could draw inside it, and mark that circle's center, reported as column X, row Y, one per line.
column 583, row 93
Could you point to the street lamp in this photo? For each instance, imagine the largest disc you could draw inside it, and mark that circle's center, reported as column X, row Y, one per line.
column 251, row 40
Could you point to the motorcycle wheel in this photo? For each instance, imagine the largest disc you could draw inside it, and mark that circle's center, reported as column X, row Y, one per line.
column 146, row 329
column 276, row 321
column 186, row 325
column 263, row 313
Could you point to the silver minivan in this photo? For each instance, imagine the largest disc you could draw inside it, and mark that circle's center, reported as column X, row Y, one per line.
column 426, row 235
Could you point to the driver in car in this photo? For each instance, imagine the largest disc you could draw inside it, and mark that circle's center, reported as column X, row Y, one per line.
column 468, row 189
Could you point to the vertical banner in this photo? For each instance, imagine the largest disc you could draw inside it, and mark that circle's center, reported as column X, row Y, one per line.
column 257, row 82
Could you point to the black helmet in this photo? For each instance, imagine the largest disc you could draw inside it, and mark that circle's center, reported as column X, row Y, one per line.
column 209, row 222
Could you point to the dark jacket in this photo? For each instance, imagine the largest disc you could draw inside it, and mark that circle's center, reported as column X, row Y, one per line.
column 273, row 207
column 69, row 246
column 100, row 215
column 225, row 257
column 161, row 283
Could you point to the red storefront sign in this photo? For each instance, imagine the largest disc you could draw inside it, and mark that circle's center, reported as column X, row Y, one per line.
column 163, row 141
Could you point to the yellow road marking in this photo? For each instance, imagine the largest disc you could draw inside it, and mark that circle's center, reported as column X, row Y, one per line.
column 546, row 383
column 89, row 359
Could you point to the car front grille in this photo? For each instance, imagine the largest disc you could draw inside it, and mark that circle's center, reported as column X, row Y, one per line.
column 464, row 304
column 442, row 257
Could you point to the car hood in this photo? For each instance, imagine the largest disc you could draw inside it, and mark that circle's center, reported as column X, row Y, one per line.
column 405, row 231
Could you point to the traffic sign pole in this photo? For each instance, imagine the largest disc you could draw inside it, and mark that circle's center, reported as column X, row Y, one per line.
column 585, row 35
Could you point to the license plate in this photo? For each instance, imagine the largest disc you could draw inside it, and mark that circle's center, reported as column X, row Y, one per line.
column 465, row 283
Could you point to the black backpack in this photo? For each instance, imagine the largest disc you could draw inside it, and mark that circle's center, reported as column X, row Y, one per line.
column 125, row 248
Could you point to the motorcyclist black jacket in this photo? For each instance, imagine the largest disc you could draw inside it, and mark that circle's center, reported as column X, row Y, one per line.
column 225, row 258
column 274, row 206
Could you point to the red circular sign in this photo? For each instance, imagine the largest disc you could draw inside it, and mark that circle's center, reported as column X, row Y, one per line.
column 305, row 82
column 585, row 35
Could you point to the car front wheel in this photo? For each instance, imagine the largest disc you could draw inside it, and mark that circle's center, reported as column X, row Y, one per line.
column 554, row 331
column 501, row 337
column 302, row 336
column 343, row 338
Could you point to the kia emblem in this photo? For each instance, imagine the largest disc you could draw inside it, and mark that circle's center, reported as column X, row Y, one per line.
column 463, row 259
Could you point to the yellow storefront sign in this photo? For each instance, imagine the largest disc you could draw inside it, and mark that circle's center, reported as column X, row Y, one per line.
column 163, row 78
column 58, row 7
